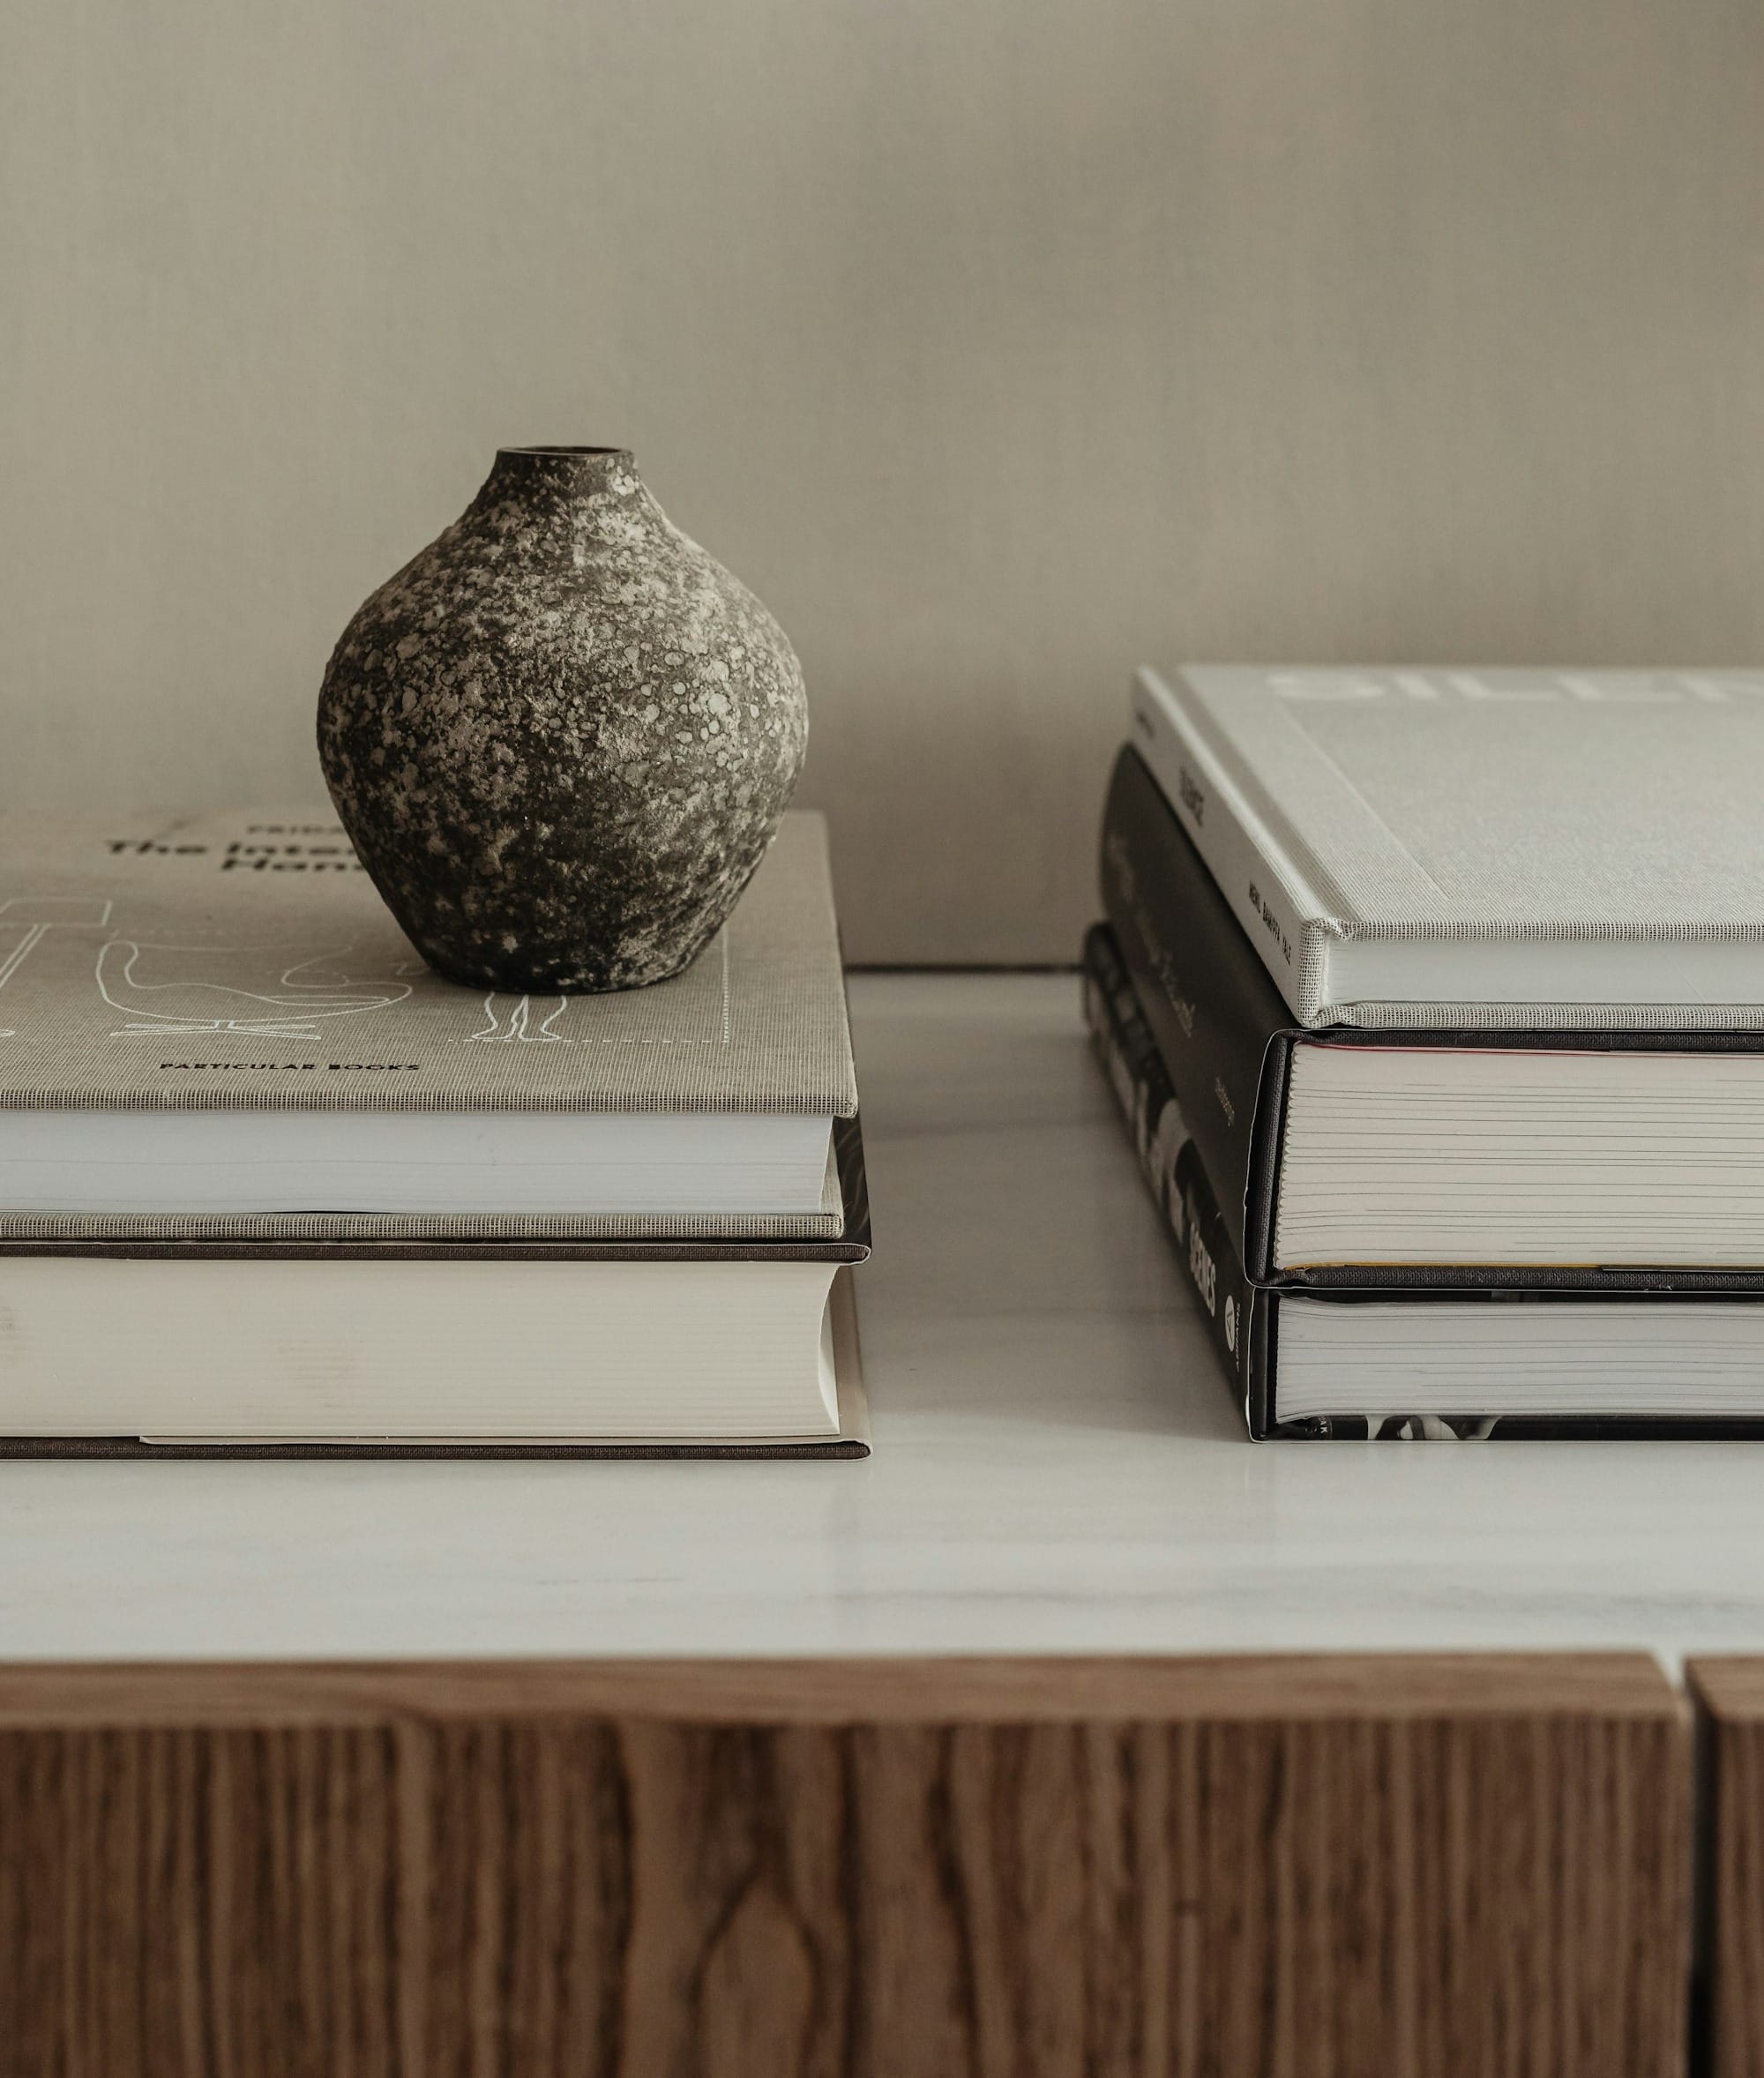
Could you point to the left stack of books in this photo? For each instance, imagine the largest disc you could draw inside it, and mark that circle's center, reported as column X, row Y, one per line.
column 1435, row 1002
column 269, row 1187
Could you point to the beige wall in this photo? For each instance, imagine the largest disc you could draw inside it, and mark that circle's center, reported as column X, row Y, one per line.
column 997, row 343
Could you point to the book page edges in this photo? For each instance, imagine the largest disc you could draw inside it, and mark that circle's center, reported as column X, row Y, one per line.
column 852, row 1439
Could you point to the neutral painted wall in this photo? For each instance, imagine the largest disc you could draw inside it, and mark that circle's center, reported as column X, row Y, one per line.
column 997, row 343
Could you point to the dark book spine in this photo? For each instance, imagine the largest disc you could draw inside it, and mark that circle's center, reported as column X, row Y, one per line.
column 1203, row 989
column 1235, row 1312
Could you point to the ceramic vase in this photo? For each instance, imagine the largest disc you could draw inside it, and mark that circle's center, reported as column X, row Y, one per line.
column 562, row 737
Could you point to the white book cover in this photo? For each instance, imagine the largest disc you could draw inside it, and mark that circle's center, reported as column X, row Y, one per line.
column 1423, row 846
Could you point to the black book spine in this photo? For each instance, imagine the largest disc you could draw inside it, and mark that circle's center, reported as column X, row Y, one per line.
column 1213, row 1008
column 1236, row 1314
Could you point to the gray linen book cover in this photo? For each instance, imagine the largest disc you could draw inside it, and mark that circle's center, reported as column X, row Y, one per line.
column 244, row 959
column 1479, row 847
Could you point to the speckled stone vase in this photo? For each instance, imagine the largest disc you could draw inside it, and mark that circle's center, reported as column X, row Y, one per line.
column 563, row 736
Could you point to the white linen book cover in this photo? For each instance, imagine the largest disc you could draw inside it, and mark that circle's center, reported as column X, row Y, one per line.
column 1497, row 848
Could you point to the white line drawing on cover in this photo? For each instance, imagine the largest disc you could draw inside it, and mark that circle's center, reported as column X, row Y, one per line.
column 37, row 914
column 518, row 1026
column 264, row 991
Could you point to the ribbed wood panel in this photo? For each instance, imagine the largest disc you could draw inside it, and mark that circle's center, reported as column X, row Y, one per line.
column 1402, row 1868
column 1729, row 1695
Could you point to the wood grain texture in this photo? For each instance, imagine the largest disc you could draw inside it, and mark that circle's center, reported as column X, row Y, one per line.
column 894, row 1869
column 1729, row 1696
column 873, row 1689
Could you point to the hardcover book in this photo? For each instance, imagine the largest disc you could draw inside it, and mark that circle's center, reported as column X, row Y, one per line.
column 215, row 1028
column 1620, row 1160
column 1595, row 860
column 1410, row 1364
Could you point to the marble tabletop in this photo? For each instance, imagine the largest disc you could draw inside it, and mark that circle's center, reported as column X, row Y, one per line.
column 1059, row 1467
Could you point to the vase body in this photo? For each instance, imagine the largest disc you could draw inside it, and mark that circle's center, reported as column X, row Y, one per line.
column 562, row 737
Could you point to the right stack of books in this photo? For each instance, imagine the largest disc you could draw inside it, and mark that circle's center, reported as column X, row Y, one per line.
column 1434, row 1002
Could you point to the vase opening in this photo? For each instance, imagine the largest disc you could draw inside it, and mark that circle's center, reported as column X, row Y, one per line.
column 560, row 474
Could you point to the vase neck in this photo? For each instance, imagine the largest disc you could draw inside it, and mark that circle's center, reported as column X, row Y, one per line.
column 561, row 475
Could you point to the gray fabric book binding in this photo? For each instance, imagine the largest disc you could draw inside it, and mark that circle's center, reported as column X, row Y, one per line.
column 1479, row 848
column 246, row 962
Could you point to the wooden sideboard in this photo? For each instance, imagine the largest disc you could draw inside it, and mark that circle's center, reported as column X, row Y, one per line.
column 1399, row 1867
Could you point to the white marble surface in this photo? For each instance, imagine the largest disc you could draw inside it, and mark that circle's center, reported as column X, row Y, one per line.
column 1058, row 1465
